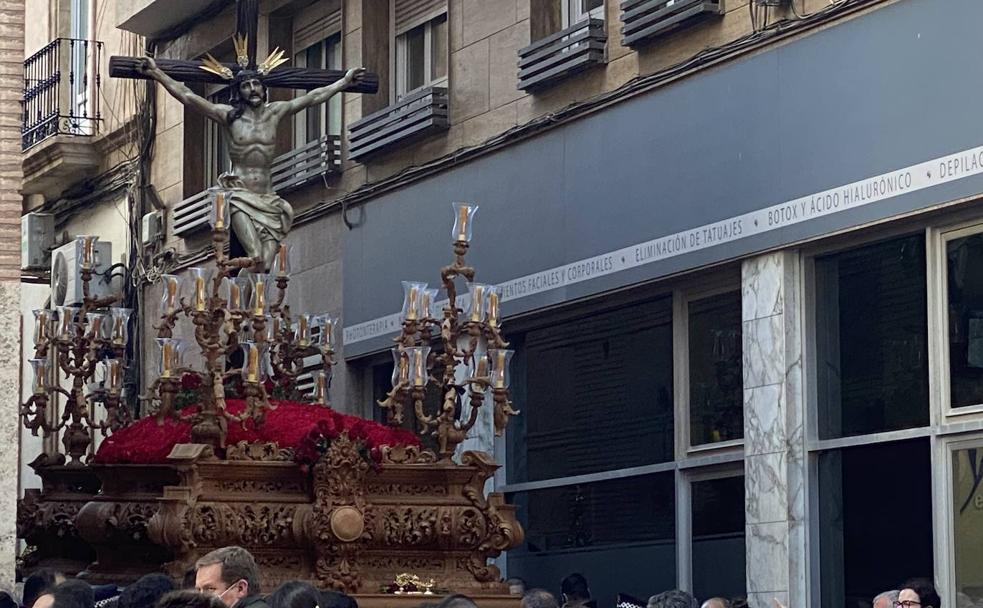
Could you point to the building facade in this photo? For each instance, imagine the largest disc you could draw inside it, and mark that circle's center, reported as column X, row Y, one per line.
column 736, row 246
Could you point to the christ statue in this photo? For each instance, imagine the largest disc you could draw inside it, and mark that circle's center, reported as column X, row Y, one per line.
column 260, row 218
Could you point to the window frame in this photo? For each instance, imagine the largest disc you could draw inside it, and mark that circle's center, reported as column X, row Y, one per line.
column 947, row 430
column 711, row 286
column 938, row 239
column 401, row 65
column 571, row 12
column 299, row 134
column 715, row 461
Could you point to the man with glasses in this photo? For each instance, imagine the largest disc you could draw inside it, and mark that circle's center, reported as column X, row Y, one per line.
column 886, row 599
column 230, row 574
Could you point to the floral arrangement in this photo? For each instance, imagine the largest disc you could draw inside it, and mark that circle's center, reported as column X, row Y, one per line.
column 370, row 436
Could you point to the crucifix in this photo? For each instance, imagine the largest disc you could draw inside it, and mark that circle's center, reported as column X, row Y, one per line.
column 260, row 218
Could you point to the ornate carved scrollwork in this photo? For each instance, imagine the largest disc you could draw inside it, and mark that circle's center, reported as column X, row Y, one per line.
column 341, row 518
column 499, row 533
column 259, row 452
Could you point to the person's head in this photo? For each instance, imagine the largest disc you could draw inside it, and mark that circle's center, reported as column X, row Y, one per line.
column 886, row 599
column 673, row 599
column 188, row 582
column 337, row 599
column 716, row 602
column 457, row 601
column 574, row 587
column 538, row 598
column 38, row 583
column 229, row 573
column 919, row 593
column 145, row 591
column 189, row 599
column 68, row 594
column 516, row 585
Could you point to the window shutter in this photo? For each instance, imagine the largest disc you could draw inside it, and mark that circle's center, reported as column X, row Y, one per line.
column 315, row 23
column 408, row 14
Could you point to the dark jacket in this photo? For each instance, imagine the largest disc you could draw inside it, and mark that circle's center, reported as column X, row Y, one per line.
column 252, row 601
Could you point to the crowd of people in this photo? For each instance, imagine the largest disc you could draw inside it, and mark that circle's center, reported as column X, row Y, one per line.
column 229, row 578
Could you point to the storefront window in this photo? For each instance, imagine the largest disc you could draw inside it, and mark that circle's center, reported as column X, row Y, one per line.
column 964, row 259
column 872, row 339
column 596, row 394
column 718, row 538
column 875, row 520
column 967, row 523
column 620, row 533
column 716, row 397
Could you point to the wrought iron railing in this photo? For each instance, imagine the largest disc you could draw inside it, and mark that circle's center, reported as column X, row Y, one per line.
column 61, row 90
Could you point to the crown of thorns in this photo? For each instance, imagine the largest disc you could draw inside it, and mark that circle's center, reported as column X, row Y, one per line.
column 210, row 64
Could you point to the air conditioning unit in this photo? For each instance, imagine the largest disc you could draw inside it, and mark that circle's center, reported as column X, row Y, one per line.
column 66, row 279
column 37, row 235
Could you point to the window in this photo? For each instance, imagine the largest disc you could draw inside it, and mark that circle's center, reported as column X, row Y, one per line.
column 83, row 53
column 964, row 309
column 718, row 547
column 593, row 463
column 872, row 339
column 421, row 55
column 967, row 522
column 875, row 520
column 325, row 119
column 578, row 10
column 715, row 374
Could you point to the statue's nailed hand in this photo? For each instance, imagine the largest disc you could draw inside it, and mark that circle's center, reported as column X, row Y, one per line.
column 147, row 65
column 354, row 75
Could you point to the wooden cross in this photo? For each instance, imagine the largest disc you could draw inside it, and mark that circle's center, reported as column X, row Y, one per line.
column 247, row 22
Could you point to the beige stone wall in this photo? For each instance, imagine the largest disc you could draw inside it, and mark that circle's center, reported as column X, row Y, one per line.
column 11, row 57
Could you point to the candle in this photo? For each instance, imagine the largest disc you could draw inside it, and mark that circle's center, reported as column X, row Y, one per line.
column 218, row 208
column 120, row 320
column 327, row 333
column 477, row 302
column 40, row 367
column 95, row 324
column 404, row 370
column 252, row 366
column 199, row 293
column 500, row 368
column 42, row 322
column 321, row 388
column 86, row 249
column 281, row 261
column 259, row 304
column 114, row 374
column 235, row 296
column 275, row 325
column 411, row 305
column 66, row 321
column 166, row 357
column 482, row 368
column 172, row 287
column 303, row 331
column 493, row 307
column 462, row 222
column 425, row 304
column 419, row 369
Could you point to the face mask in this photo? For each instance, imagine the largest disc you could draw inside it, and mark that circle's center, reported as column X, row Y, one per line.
column 220, row 595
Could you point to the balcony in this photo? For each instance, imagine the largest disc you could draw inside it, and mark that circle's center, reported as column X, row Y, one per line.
column 643, row 20
column 415, row 115
column 60, row 114
column 290, row 171
column 562, row 54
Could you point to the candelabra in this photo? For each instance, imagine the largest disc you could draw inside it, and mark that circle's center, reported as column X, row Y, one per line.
column 231, row 314
column 84, row 342
column 472, row 358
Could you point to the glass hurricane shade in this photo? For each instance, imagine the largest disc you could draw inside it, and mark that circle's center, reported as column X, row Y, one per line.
column 170, row 357
column 171, row 292
column 463, row 221
column 221, row 214
column 199, row 293
column 43, row 321
column 85, row 250
column 500, row 360
column 40, row 368
column 281, row 261
column 66, row 321
column 259, row 285
column 255, row 362
column 412, row 299
column 119, row 331
column 417, row 361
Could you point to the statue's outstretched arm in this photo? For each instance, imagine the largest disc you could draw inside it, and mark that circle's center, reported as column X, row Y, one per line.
column 182, row 93
column 322, row 94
